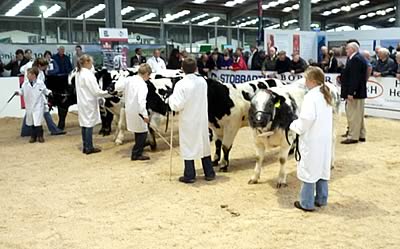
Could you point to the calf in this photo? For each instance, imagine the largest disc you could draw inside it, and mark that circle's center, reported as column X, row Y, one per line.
column 271, row 112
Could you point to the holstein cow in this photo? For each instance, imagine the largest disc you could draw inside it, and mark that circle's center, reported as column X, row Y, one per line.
column 228, row 112
column 271, row 112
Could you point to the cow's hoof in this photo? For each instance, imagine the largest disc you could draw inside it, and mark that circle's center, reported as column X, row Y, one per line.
column 223, row 169
column 153, row 147
column 215, row 163
column 281, row 185
column 251, row 181
column 101, row 132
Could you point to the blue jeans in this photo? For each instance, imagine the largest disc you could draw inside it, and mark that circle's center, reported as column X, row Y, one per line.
column 27, row 130
column 190, row 172
column 307, row 198
column 87, row 138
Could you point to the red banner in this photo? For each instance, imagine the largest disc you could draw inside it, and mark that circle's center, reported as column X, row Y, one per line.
column 296, row 44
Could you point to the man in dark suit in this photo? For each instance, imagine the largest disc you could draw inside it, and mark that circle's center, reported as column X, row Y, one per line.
column 283, row 63
column 16, row 64
column 354, row 90
column 138, row 59
column 254, row 62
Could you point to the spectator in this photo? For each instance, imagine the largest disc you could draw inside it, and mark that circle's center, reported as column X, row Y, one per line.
column 184, row 55
column 332, row 66
column 78, row 53
column 16, row 64
column 28, row 55
column 238, row 62
column 227, row 61
column 138, row 58
column 297, row 65
column 283, row 63
column 214, row 62
column 375, row 57
column 156, row 63
column 324, row 58
column 385, row 66
column 354, row 90
column 63, row 61
column 202, row 65
column 174, row 61
column 254, row 62
column 53, row 67
column 1, row 68
column 269, row 63
column 367, row 57
column 398, row 66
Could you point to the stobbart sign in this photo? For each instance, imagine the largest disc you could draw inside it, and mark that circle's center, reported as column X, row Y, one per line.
column 383, row 93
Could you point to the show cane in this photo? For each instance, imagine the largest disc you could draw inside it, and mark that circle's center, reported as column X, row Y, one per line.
column 8, row 101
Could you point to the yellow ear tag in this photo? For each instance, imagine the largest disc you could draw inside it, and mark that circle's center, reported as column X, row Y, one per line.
column 278, row 104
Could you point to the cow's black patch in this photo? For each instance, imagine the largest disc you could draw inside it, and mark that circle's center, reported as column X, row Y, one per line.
column 233, row 85
column 271, row 83
column 253, row 86
column 285, row 114
column 154, row 101
column 219, row 101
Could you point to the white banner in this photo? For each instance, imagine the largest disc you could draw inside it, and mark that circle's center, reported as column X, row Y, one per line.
column 113, row 35
column 383, row 93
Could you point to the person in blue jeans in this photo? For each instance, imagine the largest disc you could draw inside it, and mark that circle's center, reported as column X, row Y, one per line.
column 314, row 127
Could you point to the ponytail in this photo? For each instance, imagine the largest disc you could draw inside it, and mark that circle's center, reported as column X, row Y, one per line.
column 327, row 93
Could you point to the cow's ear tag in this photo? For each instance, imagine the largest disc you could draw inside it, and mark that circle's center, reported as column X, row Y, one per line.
column 278, row 104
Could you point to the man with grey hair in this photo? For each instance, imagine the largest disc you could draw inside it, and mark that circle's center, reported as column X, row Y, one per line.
column 398, row 66
column 375, row 57
column 367, row 57
column 385, row 67
column 63, row 61
column 354, row 91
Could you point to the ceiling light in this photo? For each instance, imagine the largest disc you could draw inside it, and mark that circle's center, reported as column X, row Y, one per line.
column 20, row 6
column 315, row 1
column 199, row 1
column 389, row 10
column 185, row 22
column 354, row 5
column 381, row 12
column 287, row 9
column 364, row 2
column 169, row 17
column 265, row 6
column 208, row 21
column 283, row 1
column 230, row 4
column 273, row 4
column 326, row 13
column 146, row 17
column 392, row 19
column 345, row 8
column 362, row 17
column 335, row 11
column 43, row 8
column 371, row 14
column 199, row 17
column 126, row 10
column 296, row 6
column 92, row 11
column 52, row 10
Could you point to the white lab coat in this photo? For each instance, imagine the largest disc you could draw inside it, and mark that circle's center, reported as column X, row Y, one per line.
column 190, row 100
column 88, row 94
column 314, row 126
column 135, row 95
column 157, row 64
column 34, row 104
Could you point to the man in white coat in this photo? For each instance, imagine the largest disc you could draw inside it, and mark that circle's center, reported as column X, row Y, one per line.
column 315, row 127
column 156, row 63
column 137, row 117
column 190, row 100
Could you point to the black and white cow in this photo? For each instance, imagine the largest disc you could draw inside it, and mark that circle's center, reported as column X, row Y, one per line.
column 228, row 112
column 272, row 110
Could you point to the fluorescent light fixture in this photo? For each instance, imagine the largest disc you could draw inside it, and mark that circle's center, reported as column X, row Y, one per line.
column 315, row 1
column 345, row 8
column 335, row 11
column 354, row 5
column 296, row 6
column 169, row 17
column 371, row 14
column 388, row 10
column 199, row 1
column 362, row 17
column 273, row 4
column 380, row 12
column 275, row 26
column 233, row 3
column 199, row 17
column 92, row 11
column 185, row 22
column 392, row 19
column 208, row 21
column 265, row 6
column 20, row 6
column 314, row 25
column 146, row 17
column 43, row 8
column 287, row 9
column 364, row 2
column 283, row 1
column 126, row 10
column 51, row 11
column 326, row 13
column 250, row 22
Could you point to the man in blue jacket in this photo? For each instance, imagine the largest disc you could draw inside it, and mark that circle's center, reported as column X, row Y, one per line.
column 63, row 61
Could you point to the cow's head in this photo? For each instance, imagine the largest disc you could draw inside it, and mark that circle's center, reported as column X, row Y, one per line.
column 269, row 110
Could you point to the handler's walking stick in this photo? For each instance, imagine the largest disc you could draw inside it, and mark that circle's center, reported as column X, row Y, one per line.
column 171, row 148
column 9, row 100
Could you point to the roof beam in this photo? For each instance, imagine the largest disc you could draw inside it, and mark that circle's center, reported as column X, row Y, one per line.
column 174, row 5
column 236, row 12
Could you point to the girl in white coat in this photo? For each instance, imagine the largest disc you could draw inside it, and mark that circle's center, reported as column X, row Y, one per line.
column 190, row 100
column 88, row 94
column 34, row 90
column 137, row 117
column 314, row 126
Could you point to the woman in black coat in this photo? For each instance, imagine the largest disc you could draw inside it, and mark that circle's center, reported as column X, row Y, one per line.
column 174, row 61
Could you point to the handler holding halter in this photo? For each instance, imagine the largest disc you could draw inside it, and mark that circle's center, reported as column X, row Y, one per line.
column 190, row 100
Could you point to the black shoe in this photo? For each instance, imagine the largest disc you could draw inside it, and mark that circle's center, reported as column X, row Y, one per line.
column 59, row 133
column 349, row 141
column 140, row 158
column 41, row 139
column 92, row 151
column 362, row 140
column 185, row 180
column 32, row 140
column 345, row 135
column 209, row 178
column 297, row 205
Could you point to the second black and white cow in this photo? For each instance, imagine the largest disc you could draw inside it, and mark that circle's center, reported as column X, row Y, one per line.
column 272, row 111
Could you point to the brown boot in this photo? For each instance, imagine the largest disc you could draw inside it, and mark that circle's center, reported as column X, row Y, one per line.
column 41, row 139
column 32, row 140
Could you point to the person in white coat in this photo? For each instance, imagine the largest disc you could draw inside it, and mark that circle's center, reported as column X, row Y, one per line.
column 156, row 63
column 314, row 127
column 88, row 94
column 190, row 100
column 137, row 117
column 34, row 90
